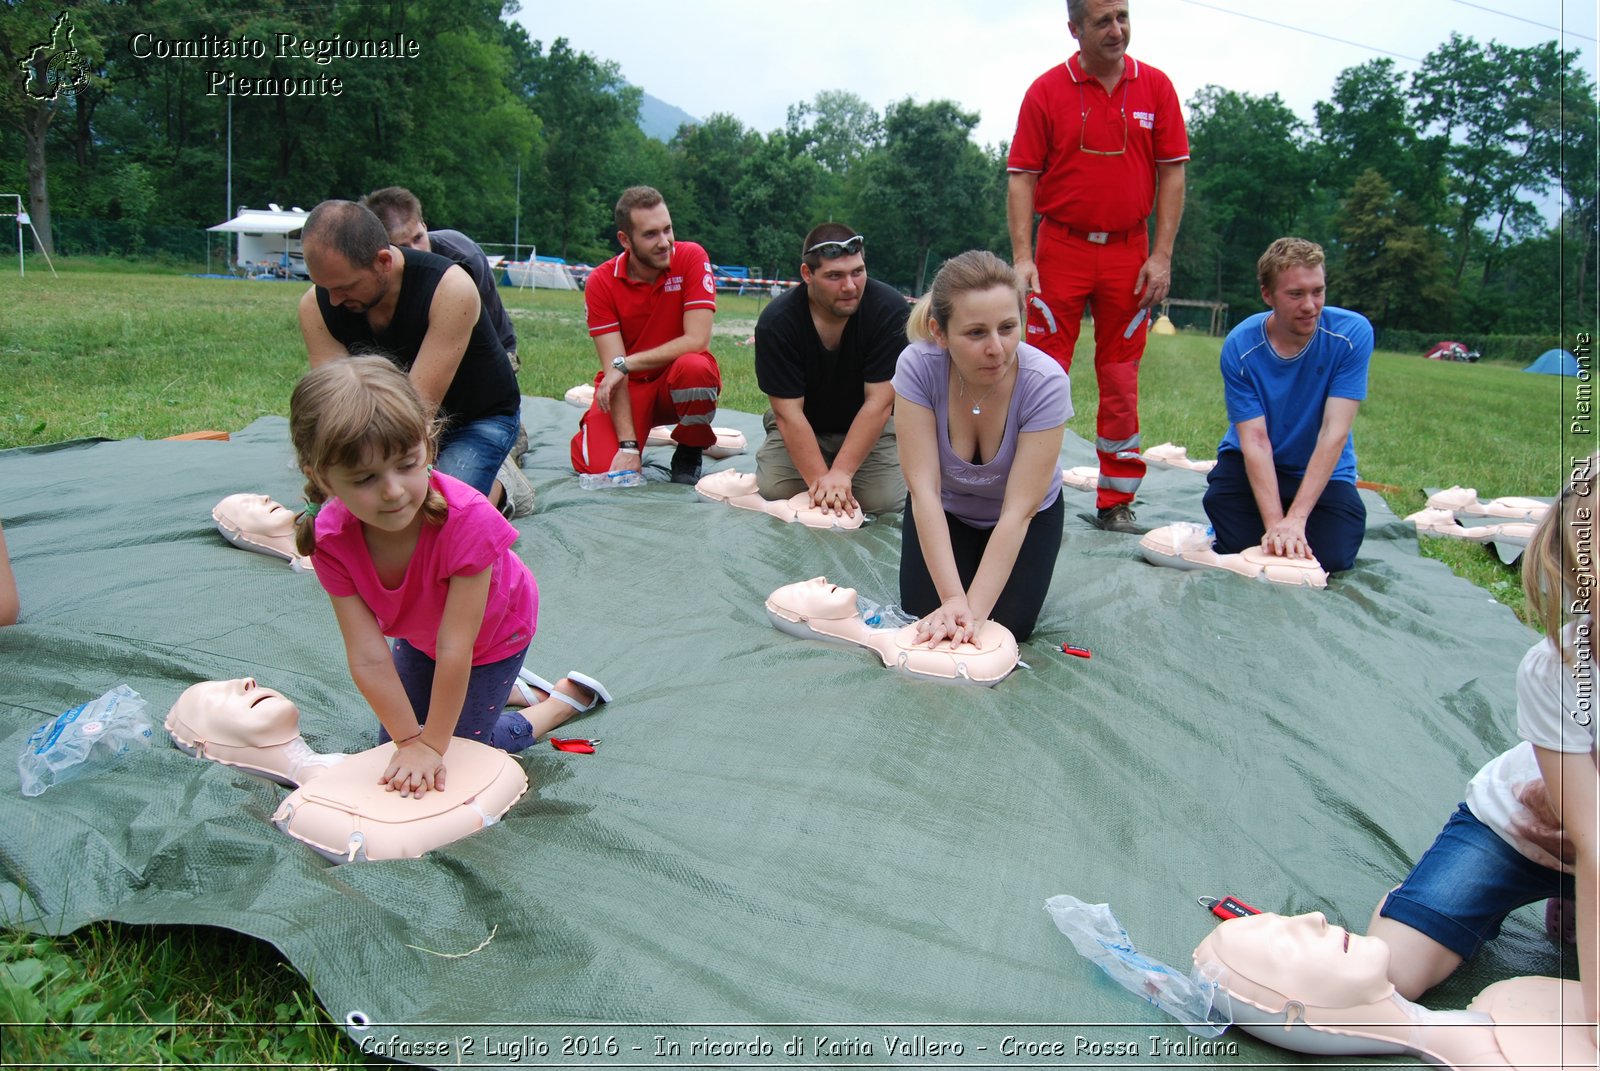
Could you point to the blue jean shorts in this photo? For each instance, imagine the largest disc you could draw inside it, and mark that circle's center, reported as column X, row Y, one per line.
column 472, row 453
column 1467, row 882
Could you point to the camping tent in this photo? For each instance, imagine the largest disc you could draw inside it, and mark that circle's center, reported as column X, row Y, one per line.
column 264, row 238
column 1555, row 363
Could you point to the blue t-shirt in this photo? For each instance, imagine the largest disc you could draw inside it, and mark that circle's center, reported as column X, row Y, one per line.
column 1291, row 392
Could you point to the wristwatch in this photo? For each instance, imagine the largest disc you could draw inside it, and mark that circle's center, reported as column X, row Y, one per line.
column 620, row 364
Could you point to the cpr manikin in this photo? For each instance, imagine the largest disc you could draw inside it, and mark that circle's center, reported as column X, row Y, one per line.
column 815, row 609
column 1442, row 522
column 1464, row 500
column 739, row 489
column 730, row 441
column 338, row 807
column 1175, row 457
column 257, row 523
column 1187, row 546
column 1302, row 984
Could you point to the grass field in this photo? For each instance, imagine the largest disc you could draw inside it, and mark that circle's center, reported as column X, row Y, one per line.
column 119, row 353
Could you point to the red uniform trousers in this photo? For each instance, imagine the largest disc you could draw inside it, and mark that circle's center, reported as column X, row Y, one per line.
column 684, row 393
column 1072, row 270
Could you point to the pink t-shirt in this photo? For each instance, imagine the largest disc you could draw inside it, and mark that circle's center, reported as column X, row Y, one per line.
column 473, row 537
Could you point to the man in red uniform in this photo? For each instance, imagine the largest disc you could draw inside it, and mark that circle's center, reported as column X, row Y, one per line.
column 1100, row 140
column 650, row 311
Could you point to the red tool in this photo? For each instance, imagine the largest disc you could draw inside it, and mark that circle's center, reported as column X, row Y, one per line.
column 1228, row 907
column 1077, row 652
column 574, row 745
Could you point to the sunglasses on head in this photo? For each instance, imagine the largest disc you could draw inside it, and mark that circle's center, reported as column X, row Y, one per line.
column 830, row 250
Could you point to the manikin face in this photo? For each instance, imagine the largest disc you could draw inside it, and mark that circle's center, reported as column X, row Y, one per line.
column 385, row 493
column 411, row 233
column 836, row 286
column 241, row 704
column 353, row 288
column 1103, row 34
column 982, row 336
column 818, row 598
column 1304, row 958
column 259, row 515
column 650, row 245
column 1296, row 300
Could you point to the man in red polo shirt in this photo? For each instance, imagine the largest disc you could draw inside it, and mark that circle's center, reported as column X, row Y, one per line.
column 1100, row 140
column 650, row 311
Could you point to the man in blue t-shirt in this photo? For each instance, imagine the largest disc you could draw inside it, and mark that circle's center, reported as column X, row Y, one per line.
column 1292, row 379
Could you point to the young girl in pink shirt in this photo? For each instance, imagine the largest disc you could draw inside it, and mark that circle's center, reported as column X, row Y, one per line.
column 417, row 555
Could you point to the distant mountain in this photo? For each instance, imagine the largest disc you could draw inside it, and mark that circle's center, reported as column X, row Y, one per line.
column 660, row 120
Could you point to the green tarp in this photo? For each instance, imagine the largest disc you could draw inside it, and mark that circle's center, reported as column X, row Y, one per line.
column 774, row 831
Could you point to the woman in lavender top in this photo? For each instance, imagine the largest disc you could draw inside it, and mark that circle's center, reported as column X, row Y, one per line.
column 979, row 416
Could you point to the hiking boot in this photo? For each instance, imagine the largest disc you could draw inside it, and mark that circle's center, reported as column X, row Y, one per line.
column 686, row 465
column 1118, row 518
column 517, row 498
column 520, row 446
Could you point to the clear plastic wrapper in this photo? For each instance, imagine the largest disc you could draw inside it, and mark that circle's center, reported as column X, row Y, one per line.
column 598, row 481
column 876, row 616
column 84, row 739
column 1195, row 1000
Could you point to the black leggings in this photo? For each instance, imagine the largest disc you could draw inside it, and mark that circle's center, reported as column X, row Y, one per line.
column 1022, row 597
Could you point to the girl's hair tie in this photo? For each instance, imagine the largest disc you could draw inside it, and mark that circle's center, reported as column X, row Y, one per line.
column 311, row 509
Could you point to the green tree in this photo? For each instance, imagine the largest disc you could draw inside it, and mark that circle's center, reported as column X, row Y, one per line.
column 771, row 200
column 930, row 189
column 587, row 113
column 45, row 59
column 1367, row 124
column 837, row 128
column 1494, row 112
column 710, row 158
column 1250, row 180
column 1392, row 269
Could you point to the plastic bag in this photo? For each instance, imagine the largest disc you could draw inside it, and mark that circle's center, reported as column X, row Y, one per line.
column 84, row 738
column 877, row 616
column 1194, row 1000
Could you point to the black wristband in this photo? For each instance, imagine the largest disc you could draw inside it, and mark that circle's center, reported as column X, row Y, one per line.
column 629, row 444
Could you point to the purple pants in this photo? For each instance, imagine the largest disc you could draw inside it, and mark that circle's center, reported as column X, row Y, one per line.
column 484, row 716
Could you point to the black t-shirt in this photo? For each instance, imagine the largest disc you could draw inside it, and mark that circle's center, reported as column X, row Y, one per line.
column 465, row 252
column 791, row 363
column 484, row 384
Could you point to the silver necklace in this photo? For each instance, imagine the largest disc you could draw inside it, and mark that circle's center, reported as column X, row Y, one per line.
column 977, row 403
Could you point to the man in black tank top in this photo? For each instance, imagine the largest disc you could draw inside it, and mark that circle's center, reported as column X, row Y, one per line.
column 424, row 314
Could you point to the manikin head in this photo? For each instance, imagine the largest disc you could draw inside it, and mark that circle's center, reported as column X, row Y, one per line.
column 348, row 254
column 833, row 265
column 818, row 598
column 1273, row 959
column 398, row 209
column 256, row 515
column 237, row 712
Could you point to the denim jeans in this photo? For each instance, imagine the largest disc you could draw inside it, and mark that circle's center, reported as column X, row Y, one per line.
column 472, row 453
column 1467, row 882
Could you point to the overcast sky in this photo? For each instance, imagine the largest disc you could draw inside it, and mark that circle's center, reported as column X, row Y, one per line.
column 753, row 58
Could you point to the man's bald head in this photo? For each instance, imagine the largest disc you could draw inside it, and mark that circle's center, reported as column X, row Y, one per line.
column 347, row 228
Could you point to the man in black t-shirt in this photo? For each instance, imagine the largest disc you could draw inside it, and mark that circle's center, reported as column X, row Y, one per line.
column 825, row 355
column 401, row 215
column 423, row 313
